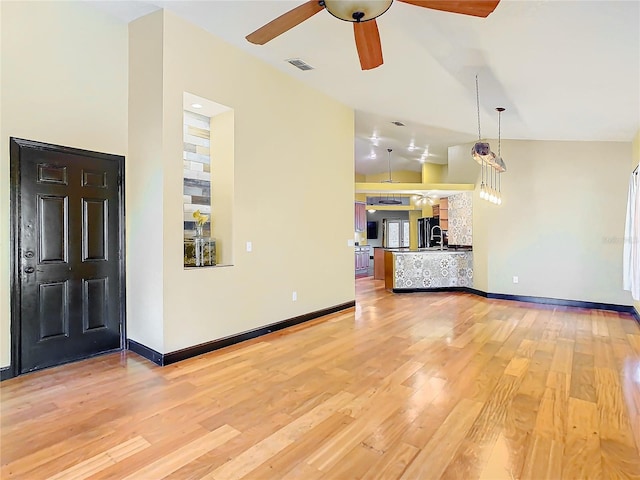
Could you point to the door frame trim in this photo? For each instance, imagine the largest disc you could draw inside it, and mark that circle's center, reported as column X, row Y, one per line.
column 15, row 147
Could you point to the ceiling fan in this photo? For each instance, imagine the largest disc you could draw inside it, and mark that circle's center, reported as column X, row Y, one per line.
column 363, row 14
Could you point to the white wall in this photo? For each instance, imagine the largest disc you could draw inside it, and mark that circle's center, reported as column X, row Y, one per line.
column 63, row 81
column 564, row 207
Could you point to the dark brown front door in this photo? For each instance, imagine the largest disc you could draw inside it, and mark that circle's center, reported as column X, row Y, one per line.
column 67, row 254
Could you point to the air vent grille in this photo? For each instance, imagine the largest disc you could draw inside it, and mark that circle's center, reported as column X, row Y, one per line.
column 296, row 62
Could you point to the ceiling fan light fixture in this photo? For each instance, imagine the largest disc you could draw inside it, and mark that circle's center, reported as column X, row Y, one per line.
column 357, row 10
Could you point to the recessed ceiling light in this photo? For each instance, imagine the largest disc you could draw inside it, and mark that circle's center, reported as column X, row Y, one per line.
column 196, row 105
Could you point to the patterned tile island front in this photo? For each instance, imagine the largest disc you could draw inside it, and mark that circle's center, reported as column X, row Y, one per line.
column 428, row 269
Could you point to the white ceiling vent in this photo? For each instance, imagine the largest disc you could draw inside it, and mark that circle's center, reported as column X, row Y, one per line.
column 296, row 62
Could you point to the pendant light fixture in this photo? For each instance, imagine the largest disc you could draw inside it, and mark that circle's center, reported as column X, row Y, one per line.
column 491, row 166
column 389, row 199
column 481, row 151
column 500, row 165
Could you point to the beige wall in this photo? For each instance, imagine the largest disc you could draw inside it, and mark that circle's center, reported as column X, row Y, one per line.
column 405, row 176
column 145, row 178
column 64, row 81
column 275, row 198
column 564, row 207
column 432, row 173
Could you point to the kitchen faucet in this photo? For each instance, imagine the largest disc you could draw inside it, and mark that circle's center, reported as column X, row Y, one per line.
column 441, row 236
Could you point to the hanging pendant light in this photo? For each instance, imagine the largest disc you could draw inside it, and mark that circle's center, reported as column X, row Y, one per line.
column 500, row 165
column 389, row 199
column 481, row 151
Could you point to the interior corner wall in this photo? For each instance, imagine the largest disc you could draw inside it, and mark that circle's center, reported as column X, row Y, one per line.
column 635, row 160
column 60, row 85
column 145, row 183
column 432, row 173
column 293, row 152
column 561, row 224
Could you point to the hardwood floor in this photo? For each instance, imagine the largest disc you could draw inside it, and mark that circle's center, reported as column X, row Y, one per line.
column 413, row 386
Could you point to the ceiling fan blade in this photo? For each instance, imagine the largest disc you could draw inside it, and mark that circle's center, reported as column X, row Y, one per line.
column 285, row 22
column 477, row 8
column 368, row 44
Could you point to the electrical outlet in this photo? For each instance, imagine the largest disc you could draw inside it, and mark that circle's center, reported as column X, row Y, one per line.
column 294, row 296
column 249, row 246
column 515, row 279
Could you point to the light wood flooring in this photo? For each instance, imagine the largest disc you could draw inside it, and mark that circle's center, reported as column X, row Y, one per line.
column 412, row 386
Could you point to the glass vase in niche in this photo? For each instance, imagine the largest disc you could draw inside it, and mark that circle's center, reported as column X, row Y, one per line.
column 199, row 251
column 199, row 244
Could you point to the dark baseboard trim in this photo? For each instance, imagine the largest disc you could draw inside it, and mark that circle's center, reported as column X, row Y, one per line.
column 185, row 353
column 441, row 289
column 562, row 302
column 523, row 298
column 207, row 347
column 144, row 351
column 6, row 373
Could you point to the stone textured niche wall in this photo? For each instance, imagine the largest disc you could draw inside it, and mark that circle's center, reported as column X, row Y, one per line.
column 461, row 219
column 197, row 170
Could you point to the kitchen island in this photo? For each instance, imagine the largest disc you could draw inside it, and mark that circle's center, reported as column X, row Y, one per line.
column 427, row 269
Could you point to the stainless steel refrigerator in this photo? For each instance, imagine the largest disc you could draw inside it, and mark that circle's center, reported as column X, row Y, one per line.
column 425, row 225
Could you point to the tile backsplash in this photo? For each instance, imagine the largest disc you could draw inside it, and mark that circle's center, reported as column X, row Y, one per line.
column 196, row 158
column 461, row 219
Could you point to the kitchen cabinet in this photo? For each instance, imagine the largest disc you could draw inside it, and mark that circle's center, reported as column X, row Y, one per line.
column 378, row 263
column 362, row 259
column 444, row 213
column 405, row 270
column 360, row 216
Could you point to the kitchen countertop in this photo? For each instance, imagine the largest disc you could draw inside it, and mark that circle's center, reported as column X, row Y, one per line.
column 428, row 269
column 428, row 250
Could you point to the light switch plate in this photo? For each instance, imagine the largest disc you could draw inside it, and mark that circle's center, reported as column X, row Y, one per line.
column 351, row 242
column 249, row 246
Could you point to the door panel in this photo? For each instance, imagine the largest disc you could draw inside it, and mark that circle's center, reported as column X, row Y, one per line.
column 53, row 314
column 53, row 213
column 95, row 233
column 95, row 305
column 68, row 266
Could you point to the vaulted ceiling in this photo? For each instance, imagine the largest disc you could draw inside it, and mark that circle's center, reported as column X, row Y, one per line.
column 564, row 70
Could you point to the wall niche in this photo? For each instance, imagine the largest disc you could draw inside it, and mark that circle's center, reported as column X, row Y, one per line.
column 208, row 158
